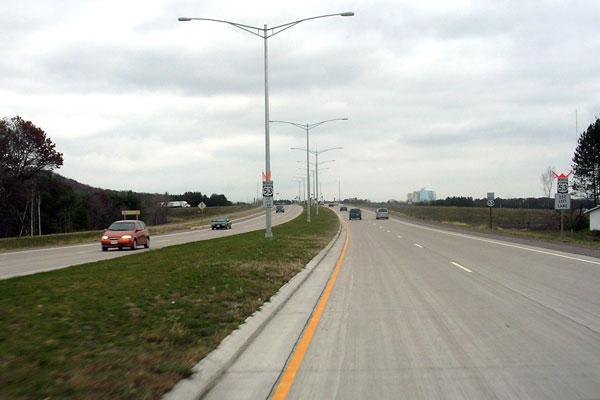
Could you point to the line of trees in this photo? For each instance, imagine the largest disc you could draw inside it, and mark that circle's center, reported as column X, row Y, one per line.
column 194, row 198
column 33, row 199
column 532, row 203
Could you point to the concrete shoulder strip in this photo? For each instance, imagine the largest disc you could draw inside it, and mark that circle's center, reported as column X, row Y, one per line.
column 207, row 371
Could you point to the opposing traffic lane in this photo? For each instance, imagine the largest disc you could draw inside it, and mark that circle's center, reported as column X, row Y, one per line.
column 27, row 262
column 421, row 313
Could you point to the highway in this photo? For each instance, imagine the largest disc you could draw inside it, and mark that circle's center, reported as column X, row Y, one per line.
column 420, row 312
column 25, row 262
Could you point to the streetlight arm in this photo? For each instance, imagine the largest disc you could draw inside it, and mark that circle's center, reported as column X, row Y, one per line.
column 247, row 28
column 280, row 28
column 322, row 122
column 310, row 126
column 332, row 148
column 292, row 123
column 263, row 32
column 319, row 163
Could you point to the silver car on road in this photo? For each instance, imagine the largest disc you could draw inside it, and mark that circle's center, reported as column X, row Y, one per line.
column 382, row 213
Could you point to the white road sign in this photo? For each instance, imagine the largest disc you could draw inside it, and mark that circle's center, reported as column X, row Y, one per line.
column 267, row 188
column 202, row 206
column 562, row 201
column 268, row 202
column 490, row 196
column 491, row 203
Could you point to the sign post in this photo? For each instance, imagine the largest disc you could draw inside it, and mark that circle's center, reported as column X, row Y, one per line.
column 202, row 206
column 268, row 194
column 267, row 199
column 490, row 204
column 562, row 199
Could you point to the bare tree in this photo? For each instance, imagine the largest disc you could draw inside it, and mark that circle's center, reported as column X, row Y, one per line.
column 547, row 179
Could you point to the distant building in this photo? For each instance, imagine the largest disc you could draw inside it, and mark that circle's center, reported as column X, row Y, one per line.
column 426, row 195
column 421, row 196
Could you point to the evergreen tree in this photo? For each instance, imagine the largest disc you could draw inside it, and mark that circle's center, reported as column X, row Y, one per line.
column 586, row 162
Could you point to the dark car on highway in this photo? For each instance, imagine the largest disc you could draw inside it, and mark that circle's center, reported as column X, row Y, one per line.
column 279, row 208
column 221, row 223
column 355, row 213
column 343, row 208
column 125, row 233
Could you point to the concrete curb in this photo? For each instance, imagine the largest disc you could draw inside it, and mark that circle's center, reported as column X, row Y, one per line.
column 207, row 371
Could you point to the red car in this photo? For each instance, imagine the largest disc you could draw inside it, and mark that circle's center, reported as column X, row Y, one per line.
column 125, row 233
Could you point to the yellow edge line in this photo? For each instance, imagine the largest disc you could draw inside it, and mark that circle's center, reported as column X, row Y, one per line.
column 290, row 372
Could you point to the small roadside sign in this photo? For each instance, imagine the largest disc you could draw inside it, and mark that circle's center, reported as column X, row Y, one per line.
column 125, row 213
column 562, row 185
column 490, row 204
column 267, row 188
column 202, row 206
column 268, row 202
column 562, row 201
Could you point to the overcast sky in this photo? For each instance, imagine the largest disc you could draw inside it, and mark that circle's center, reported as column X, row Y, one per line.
column 463, row 97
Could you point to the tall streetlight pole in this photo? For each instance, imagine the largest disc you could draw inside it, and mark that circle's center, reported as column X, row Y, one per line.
column 316, row 153
column 300, row 182
column 314, row 171
column 308, row 127
column 265, row 33
column 303, row 180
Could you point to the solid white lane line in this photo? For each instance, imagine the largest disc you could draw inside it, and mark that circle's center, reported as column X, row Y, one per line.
column 19, row 252
column 418, row 245
column 498, row 243
column 460, row 266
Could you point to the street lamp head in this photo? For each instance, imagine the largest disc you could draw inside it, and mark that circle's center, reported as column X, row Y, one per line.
column 347, row 14
column 183, row 19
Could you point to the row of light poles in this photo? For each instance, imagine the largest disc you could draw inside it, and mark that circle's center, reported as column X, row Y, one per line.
column 265, row 33
column 308, row 127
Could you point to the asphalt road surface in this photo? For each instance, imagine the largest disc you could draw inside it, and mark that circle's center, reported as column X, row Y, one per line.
column 419, row 312
column 25, row 262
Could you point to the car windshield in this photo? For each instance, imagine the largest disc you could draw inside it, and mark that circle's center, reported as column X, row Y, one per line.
column 382, row 210
column 220, row 219
column 121, row 226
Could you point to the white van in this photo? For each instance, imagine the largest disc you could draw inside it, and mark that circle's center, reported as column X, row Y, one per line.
column 382, row 213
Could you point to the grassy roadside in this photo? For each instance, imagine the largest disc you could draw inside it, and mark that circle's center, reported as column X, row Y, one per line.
column 131, row 327
column 517, row 222
column 178, row 219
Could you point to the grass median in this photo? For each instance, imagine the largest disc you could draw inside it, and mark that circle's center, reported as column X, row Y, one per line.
column 131, row 327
